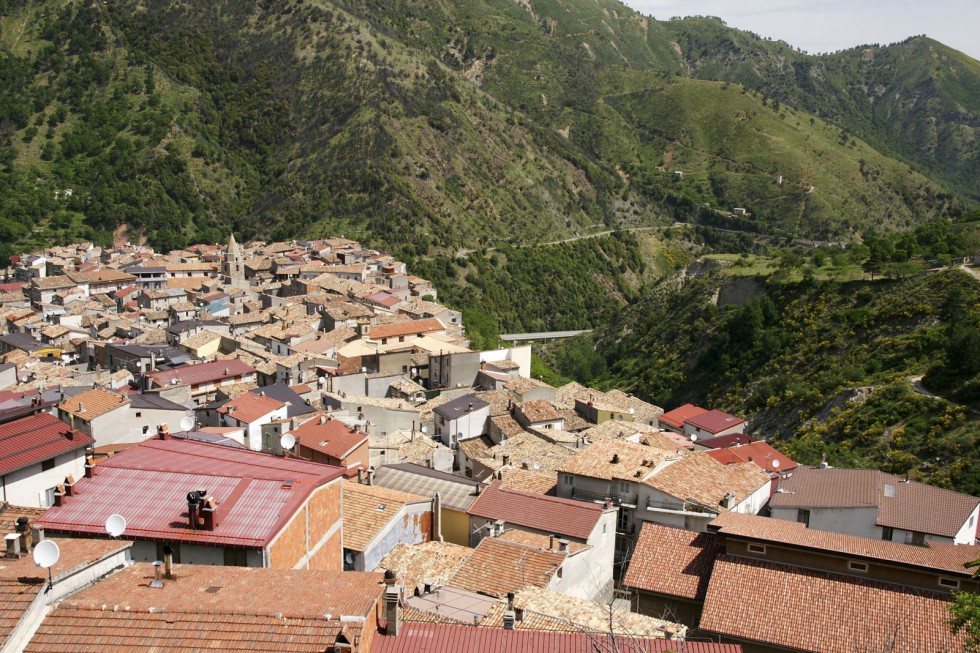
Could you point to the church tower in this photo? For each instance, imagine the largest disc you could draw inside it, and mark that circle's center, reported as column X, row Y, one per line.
column 233, row 268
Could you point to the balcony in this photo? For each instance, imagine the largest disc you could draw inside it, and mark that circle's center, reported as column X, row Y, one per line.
column 618, row 498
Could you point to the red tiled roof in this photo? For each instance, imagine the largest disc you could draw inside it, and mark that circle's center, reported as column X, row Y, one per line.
column 713, row 421
column 15, row 598
column 910, row 506
column 33, row 439
column 249, row 407
column 761, row 453
column 148, row 485
column 203, row 373
column 949, row 558
column 446, row 638
column 537, row 511
column 724, row 441
column 332, row 438
column 498, row 566
column 678, row 416
column 808, row 610
column 411, row 327
column 672, row 561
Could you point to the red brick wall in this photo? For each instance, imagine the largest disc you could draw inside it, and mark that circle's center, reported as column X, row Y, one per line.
column 330, row 556
column 322, row 511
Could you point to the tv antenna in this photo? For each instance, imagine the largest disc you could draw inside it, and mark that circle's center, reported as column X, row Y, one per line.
column 115, row 525
column 46, row 554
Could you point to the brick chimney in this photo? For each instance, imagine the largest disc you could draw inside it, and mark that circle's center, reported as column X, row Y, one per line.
column 209, row 514
column 89, row 466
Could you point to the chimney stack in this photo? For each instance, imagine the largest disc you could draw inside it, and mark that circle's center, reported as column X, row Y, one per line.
column 194, row 499
column 60, row 496
column 209, row 513
column 69, row 485
column 509, row 618
column 26, row 534
column 13, row 545
column 89, row 466
column 163, row 431
column 551, row 542
column 392, row 597
column 563, row 546
column 168, row 561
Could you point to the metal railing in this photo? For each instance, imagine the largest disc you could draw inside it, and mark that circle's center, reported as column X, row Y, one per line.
column 616, row 497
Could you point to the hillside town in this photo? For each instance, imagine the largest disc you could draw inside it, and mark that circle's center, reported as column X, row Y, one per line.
column 293, row 446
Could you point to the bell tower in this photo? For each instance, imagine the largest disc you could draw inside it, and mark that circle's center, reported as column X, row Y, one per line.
column 233, row 269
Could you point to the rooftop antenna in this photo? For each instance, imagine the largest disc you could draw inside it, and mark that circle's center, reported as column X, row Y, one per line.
column 186, row 423
column 46, row 554
column 115, row 525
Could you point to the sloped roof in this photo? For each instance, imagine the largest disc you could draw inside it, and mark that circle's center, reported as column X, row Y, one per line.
column 331, row 437
column 539, row 512
column 909, row 505
column 457, row 492
column 616, row 459
column 31, row 440
column 410, row 327
column 681, row 414
column 148, row 483
column 201, row 373
column 426, row 562
column 761, row 453
column 368, row 509
column 821, row 611
column 248, row 407
column 699, row 478
column 93, row 403
column 497, row 567
column 672, row 561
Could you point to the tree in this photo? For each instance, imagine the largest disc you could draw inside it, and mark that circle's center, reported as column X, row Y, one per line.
column 872, row 264
column 965, row 612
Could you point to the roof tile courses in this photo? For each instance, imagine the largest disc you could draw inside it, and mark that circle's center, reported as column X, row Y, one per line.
column 202, row 373
column 37, row 438
column 456, row 492
column 250, row 407
column 699, row 478
column 820, row 611
column 761, row 453
column 363, row 516
column 444, row 638
column 93, row 403
column 713, row 421
column 678, row 416
column 427, row 562
column 565, row 517
column 539, row 410
column 672, row 561
column 406, row 328
column 15, row 598
column 148, row 484
column 949, row 558
column 616, row 459
column 331, row 437
column 915, row 506
column 497, row 566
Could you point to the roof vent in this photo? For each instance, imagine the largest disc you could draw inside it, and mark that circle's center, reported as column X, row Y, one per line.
column 615, row 459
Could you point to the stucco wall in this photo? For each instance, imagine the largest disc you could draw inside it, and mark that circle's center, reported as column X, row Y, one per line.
column 27, row 487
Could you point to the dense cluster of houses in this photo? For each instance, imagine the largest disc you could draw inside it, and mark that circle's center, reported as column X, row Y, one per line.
column 305, row 454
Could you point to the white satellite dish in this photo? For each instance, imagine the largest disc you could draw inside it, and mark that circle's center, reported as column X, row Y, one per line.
column 287, row 441
column 694, row 437
column 425, row 429
column 46, row 554
column 186, row 423
column 115, row 525
column 775, row 464
column 632, row 411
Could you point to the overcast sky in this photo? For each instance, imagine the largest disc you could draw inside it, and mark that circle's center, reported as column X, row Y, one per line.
column 828, row 25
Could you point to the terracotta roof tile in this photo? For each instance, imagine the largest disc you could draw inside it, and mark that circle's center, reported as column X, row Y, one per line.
column 703, row 480
column 329, row 436
column 427, row 562
column 249, row 407
column 950, row 558
column 497, row 567
column 909, row 506
column 617, row 459
column 15, row 598
column 202, row 373
column 672, row 561
column 364, row 516
column 411, row 327
column 678, row 416
column 529, row 480
column 564, row 517
column 820, row 611
column 93, row 403
column 761, row 453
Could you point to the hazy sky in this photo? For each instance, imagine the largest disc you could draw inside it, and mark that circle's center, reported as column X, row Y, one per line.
column 828, row 25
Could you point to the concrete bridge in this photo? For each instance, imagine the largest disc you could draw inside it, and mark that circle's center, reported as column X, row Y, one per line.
column 542, row 335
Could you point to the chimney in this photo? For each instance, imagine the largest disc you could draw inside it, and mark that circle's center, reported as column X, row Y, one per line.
column 615, row 459
column 729, row 501
column 163, row 431
column 69, row 485
column 168, row 561
column 437, row 517
column 370, row 476
column 209, row 513
column 498, row 528
column 193, row 503
column 392, row 598
column 360, row 476
column 510, row 600
column 509, row 617
column 60, row 496
column 25, row 533
column 13, row 545
column 81, row 407
column 70, row 434
column 506, row 459
column 551, row 542
column 89, row 466
column 563, row 546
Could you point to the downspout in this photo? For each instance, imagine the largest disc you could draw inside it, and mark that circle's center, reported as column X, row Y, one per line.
column 437, row 518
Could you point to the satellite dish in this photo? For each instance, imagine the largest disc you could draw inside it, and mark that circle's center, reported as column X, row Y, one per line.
column 694, row 437
column 425, row 429
column 287, row 441
column 187, row 423
column 775, row 464
column 632, row 411
column 115, row 525
column 46, row 553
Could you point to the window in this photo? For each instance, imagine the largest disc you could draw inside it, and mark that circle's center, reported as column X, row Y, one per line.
column 917, row 539
column 624, row 521
column 139, row 414
column 47, row 465
column 624, row 487
column 757, row 548
column 857, row 566
column 951, row 583
column 558, row 573
column 49, row 497
column 566, row 479
column 803, row 517
column 886, row 533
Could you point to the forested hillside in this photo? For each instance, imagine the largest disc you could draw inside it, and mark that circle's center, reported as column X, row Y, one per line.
column 429, row 128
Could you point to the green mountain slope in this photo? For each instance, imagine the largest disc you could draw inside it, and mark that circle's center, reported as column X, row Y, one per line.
column 822, row 367
column 418, row 126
